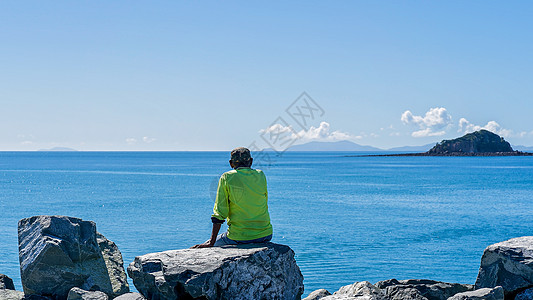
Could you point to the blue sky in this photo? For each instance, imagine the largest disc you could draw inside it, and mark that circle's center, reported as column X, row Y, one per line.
column 168, row 75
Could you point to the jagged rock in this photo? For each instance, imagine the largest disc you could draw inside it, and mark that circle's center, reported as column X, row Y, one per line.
column 80, row 294
column 363, row 290
column 8, row 294
column 115, row 265
column 421, row 289
column 130, row 296
column 318, row 294
column 58, row 253
column 6, row 283
column 481, row 294
column 508, row 264
column 254, row 271
column 525, row 295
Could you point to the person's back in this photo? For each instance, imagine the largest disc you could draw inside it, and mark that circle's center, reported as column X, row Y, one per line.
column 242, row 199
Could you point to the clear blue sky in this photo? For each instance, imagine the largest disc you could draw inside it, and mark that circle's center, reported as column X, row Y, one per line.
column 168, row 75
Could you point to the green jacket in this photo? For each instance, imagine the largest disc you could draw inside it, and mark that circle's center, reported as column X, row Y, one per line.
column 242, row 199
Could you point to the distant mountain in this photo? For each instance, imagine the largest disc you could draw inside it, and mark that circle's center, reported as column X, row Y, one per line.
column 422, row 148
column 331, row 146
column 66, row 149
column 523, row 148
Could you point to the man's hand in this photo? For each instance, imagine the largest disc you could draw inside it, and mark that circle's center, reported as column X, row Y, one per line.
column 207, row 244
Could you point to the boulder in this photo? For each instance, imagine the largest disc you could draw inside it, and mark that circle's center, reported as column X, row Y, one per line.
column 318, row 294
column 363, row 290
column 58, row 253
column 508, row 264
column 481, row 294
column 6, row 283
column 525, row 295
column 130, row 296
column 8, row 294
column 253, row 271
column 114, row 264
column 79, row 294
column 421, row 289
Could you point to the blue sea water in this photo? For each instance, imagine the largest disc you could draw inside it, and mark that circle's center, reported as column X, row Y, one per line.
column 347, row 218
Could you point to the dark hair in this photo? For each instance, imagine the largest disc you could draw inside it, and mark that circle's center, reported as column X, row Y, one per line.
column 241, row 157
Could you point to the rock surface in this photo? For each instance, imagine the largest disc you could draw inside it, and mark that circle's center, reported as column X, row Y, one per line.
column 6, row 283
column 508, row 264
column 115, row 265
column 79, row 294
column 481, row 294
column 318, row 294
column 8, row 294
column 130, row 296
column 363, row 290
column 58, row 253
column 525, row 295
column 254, row 271
column 421, row 289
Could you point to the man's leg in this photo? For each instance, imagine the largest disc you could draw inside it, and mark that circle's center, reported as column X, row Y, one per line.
column 223, row 240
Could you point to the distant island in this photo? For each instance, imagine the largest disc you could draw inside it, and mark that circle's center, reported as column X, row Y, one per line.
column 349, row 146
column 479, row 143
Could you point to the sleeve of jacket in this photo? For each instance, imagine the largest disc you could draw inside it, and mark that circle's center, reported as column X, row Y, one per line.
column 221, row 208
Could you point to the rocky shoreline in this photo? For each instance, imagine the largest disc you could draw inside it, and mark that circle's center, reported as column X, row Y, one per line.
column 66, row 258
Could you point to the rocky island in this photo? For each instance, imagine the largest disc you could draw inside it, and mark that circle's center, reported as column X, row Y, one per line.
column 479, row 143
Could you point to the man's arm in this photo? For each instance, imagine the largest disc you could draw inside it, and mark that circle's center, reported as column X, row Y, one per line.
column 220, row 213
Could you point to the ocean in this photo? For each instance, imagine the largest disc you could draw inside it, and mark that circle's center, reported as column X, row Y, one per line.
column 347, row 218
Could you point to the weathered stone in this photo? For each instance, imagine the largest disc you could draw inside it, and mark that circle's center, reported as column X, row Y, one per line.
column 525, row 295
column 318, row 294
column 254, row 271
column 115, row 265
column 481, row 294
column 8, row 294
column 363, row 290
column 421, row 289
column 508, row 264
column 130, row 296
column 58, row 253
column 80, row 294
column 6, row 283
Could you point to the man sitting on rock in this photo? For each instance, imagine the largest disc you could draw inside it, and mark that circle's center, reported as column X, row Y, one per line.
column 241, row 199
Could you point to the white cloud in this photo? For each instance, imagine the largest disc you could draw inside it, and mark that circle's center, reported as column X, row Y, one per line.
column 434, row 123
column 148, row 140
column 465, row 127
column 131, row 141
column 320, row 133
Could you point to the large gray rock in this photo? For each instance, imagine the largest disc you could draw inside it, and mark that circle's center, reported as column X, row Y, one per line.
column 6, row 294
column 254, row 271
column 421, row 289
column 79, row 294
column 318, row 294
column 363, row 290
column 481, row 294
column 6, row 283
column 508, row 264
column 58, row 253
